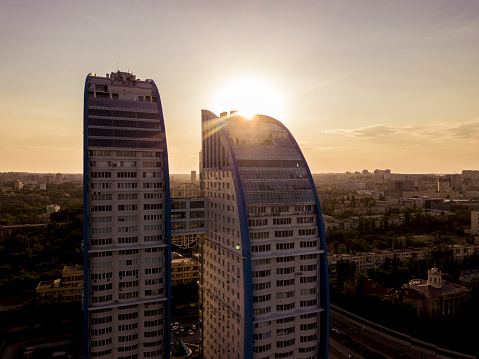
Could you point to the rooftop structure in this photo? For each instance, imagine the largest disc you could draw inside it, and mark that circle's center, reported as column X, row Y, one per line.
column 179, row 350
column 67, row 289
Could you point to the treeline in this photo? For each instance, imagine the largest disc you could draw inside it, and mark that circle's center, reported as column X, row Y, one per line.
column 360, row 241
column 369, row 237
column 30, row 255
column 29, row 206
column 394, row 272
column 420, row 222
column 331, row 201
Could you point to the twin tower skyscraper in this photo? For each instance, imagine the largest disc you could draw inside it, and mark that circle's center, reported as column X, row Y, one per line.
column 263, row 285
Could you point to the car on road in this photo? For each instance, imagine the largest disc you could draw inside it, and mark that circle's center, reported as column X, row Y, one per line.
column 182, row 329
column 354, row 330
column 177, row 334
column 346, row 342
column 193, row 326
column 174, row 327
column 190, row 332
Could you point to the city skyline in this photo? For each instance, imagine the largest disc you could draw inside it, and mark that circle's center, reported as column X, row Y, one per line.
column 383, row 85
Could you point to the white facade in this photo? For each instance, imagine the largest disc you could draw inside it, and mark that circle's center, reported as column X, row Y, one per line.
column 126, row 199
column 263, row 275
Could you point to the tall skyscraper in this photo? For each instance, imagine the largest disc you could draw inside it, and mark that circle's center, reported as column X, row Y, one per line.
column 126, row 207
column 263, row 276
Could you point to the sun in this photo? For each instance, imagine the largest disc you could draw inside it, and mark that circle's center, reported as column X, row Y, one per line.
column 249, row 96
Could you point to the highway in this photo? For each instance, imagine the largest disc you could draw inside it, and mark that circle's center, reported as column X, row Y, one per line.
column 350, row 337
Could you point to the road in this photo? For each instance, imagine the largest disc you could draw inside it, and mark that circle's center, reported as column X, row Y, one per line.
column 352, row 337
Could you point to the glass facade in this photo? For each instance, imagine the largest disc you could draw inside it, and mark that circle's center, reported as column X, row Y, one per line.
column 265, row 244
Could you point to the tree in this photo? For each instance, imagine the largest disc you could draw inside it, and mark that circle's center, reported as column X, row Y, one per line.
column 345, row 271
column 474, row 288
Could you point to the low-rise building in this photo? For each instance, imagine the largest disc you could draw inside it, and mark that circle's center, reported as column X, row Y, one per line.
column 434, row 297
column 370, row 260
column 52, row 208
column 356, row 221
column 67, row 289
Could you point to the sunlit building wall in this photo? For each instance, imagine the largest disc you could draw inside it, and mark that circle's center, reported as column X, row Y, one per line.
column 263, row 268
column 126, row 206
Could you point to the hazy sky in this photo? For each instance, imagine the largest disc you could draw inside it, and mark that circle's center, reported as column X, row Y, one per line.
column 360, row 84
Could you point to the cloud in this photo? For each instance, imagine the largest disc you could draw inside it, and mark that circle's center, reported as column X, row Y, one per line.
column 370, row 131
column 458, row 131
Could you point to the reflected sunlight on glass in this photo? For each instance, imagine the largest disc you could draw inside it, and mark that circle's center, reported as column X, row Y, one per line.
column 250, row 96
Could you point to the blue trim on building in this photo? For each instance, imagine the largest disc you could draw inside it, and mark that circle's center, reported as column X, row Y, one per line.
column 324, row 276
column 245, row 250
column 167, row 225
column 85, row 220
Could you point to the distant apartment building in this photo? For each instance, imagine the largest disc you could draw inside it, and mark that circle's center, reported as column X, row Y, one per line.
column 403, row 185
column 444, row 185
column 351, row 186
column 422, row 202
column 456, row 181
column 17, row 185
column 470, row 177
column 188, row 215
column 34, row 179
column 193, row 177
column 49, row 179
column 377, row 221
column 465, row 206
column 52, row 208
column 370, row 260
column 67, row 289
column 126, row 219
column 381, row 176
column 184, row 270
column 263, row 272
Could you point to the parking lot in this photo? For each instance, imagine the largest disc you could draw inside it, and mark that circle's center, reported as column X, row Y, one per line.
column 186, row 331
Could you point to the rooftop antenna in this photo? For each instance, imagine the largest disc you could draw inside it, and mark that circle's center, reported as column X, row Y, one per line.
column 117, row 66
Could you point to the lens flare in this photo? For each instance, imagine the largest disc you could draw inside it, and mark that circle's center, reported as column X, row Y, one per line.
column 249, row 96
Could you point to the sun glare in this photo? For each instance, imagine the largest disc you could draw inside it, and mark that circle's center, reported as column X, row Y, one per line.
column 250, row 96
